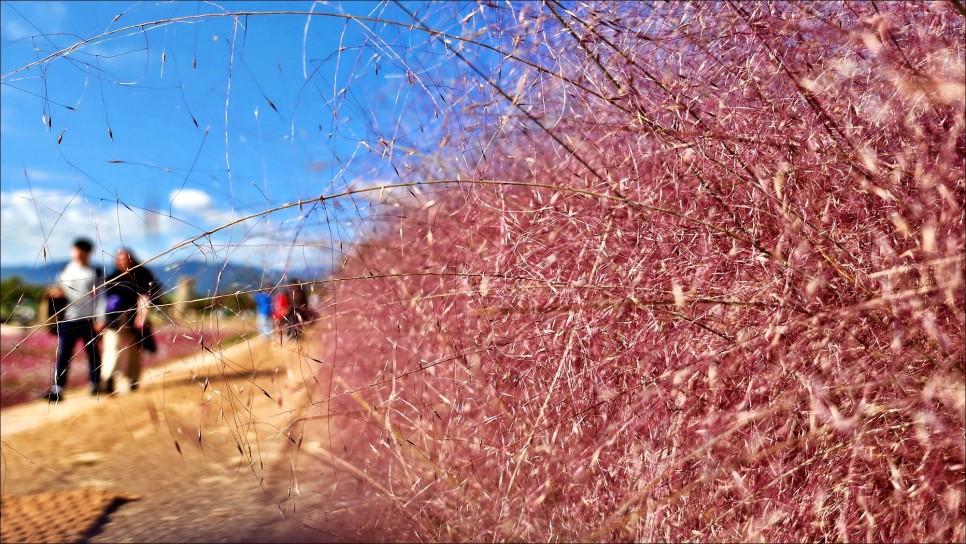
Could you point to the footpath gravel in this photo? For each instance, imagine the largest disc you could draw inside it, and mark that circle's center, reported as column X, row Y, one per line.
column 212, row 448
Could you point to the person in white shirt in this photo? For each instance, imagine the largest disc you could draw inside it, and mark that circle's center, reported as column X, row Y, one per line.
column 80, row 285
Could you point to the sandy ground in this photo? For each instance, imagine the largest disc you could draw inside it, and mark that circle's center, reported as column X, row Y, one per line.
column 209, row 446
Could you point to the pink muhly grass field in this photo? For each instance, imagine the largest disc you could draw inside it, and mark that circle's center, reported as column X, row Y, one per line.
column 701, row 279
column 28, row 360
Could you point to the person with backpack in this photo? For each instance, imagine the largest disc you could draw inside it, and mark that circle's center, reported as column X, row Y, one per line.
column 128, row 293
column 77, row 295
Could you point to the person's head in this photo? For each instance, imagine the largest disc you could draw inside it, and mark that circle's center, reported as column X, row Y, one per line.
column 124, row 260
column 81, row 251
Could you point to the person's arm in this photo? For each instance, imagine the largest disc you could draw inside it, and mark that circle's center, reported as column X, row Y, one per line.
column 51, row 304
column 154, row 290
column 100, row 301
column 56, row 290
column 149, row 297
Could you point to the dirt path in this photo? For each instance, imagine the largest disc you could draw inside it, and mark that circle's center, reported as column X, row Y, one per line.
column 205, row 445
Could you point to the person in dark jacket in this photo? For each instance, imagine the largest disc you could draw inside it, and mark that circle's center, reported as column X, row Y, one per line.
column 129, row 292
column 302, row 313
column 300, row 305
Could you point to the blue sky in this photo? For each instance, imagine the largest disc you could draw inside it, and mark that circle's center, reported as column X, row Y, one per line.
column 147, row 135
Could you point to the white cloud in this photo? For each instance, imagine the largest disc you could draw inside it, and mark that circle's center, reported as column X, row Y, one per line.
column 192, row 200
column 46, row 222
column 37, row 175
column 43, row 224
column 49, row 16
column 40, row 226
column 55, row 13
column 14, row 30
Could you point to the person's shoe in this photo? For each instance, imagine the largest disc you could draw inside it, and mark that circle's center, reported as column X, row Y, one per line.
column 134, row 386
column 52, row 396
column 109, row 386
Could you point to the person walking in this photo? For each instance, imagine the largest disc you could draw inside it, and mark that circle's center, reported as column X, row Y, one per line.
column 263, row 313
column 79, row 288
column 129, row 292
column 291, row 310
column 282, row 311
column 301, row 310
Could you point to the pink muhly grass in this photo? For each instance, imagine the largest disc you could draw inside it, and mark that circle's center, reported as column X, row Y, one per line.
column 719, row 297
column 27, row 358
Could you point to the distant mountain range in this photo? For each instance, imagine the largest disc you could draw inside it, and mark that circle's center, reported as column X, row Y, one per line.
column 234, row 277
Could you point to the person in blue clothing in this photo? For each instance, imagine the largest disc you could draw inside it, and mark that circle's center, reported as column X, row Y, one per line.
column 263, row 312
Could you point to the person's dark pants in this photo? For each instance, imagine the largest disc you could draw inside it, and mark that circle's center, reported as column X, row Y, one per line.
column 68, row 333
